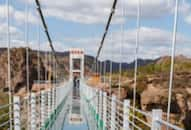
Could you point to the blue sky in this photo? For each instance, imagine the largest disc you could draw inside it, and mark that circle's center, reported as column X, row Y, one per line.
column 80, row 23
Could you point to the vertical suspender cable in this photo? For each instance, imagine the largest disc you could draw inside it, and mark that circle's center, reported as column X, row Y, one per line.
column 104, row 70
column 46, row 61
column 96, row 67
column 136, row 56
column 49, row 66
column 121, row 50
column 55, row 71
column 111, row 66
column 103, row 54
column 27, row 61
column 172, row 59
column 93, row 66
column 39, row 71
column 9, row 67
column 100, row 70
column 120, row 68
column 38, row 53
column 54, row 83
column 51, row 79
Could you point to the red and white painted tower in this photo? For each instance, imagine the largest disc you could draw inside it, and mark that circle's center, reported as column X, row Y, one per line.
column 76, row 62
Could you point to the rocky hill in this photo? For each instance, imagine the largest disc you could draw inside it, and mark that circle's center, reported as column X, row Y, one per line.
column 153, row 84
column 18, row 69
column 152, row 79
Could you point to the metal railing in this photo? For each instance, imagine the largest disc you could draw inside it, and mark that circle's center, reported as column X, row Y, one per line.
column 111, row 113
column 102, row 111
column 4, row 117
column 44, row 109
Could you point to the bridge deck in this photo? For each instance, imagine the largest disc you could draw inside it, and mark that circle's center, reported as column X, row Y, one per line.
column 75, row 119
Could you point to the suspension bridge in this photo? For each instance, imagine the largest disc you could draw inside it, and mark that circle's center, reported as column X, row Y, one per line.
column 72, row 103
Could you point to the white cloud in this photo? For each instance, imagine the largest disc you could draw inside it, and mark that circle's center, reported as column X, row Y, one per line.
column 188, row 19
column 154, row 42
column 97, row 11
column 20, row 17
column 17, row 16
column 151, row 48
column 15, row 33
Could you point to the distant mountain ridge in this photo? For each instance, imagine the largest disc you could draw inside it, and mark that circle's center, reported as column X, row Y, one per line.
column 89, row 60
column 125, row 66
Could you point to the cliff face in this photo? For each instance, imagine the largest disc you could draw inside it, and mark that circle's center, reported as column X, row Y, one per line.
column 155, row 95
column 152, row 82
column 18, row 69
column 153, row 85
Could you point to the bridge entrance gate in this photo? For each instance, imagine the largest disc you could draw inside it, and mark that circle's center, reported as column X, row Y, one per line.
column 76, row 57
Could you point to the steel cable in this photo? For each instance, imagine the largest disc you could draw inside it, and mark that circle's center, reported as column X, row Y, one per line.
column 172, row 59
column 9, row 65
column 136, row 56
column 107, row 28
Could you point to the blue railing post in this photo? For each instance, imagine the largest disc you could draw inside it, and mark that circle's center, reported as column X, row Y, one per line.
column 16, row 110
column 126, row 112
column 156, row 115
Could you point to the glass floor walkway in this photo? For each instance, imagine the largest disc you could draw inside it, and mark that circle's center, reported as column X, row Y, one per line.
column 68, row 126
column 75, row 119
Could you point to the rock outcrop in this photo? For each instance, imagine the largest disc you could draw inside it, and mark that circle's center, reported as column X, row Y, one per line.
column 18, row 69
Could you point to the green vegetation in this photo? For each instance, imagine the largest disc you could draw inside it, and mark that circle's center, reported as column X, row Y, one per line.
column 137, row 122
column 3, row 101
column 156, row 73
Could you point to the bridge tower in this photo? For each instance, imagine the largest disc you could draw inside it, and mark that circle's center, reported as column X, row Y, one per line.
column 76, row 56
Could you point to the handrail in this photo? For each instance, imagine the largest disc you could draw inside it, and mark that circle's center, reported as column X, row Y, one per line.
column 169, row 125
column 50, row 121
column 120, row 111
column 5, row 106
column 4, row 123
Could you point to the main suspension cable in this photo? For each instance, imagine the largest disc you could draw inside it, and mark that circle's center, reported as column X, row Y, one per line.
column 107, row 28
column 46, row 30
